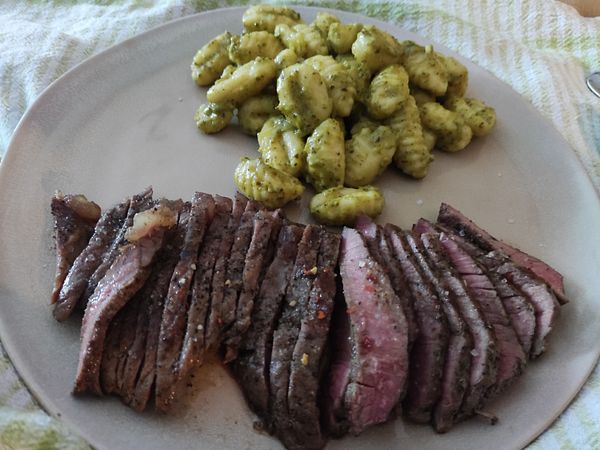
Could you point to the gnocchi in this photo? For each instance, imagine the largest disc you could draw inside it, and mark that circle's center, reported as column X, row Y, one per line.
column 368, row 154
column 267, row 17
column 387, row 92
column 213, row 117
column 281, row 146
column 255, row 111
column 210, row 60
column 249, row 46
column 325, row 158
column 451, row 131
column 342, row 206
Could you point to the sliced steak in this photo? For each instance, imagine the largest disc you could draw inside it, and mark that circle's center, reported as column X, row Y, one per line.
column 288, row 328
column 460, row 344
column 427, row 357
column 89, row 259
column 154, row 293
column 124, row 278
column 309, row 357
column 519, row 309
column 126, row 340
column 217, row 320
column 251, row 368
column 74, row 220
column 483, row 364
column 174, row 319
column 378, row 336
column 139, row 202
column 511, row 358
column 380, row 250
column 266, row 229
column 235, row 266
column 465, row 227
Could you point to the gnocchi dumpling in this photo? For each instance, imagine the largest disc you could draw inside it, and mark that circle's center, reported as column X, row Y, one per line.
column 412, row 155
column 213, row 117
column 376, row 48
column 286, row 58
column 325, row 156
column 342, row 206
column 281, row 146
column 359, row 73
column 270, row 187
column 368, row 153
column 458, row 76
column 323, row 22
column 425, row 69
column 341, row 36
column 244, row 82
column 387, row 91
column 451, row 131
column 304, row 40
column 249, row 46
column 211, row 59
column 338, row 81
column 480, row 117
column 303, row 97
column 255, row 111
column 267, row 17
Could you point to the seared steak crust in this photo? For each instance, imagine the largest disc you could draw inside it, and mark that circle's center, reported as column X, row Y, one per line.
column 88, row 260
column 428, row 354
column 74, row 220
column 252, row 365
column 309, row 352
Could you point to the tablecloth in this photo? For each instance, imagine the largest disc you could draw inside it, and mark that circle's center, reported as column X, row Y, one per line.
column 542, row 48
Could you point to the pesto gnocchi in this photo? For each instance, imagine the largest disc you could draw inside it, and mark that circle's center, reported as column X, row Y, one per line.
column 332, row 104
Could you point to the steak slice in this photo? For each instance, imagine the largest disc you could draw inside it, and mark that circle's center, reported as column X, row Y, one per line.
column 74, row 220
column 309, row 358
column 174, row 318
column 427, row 357
column 88, row 260
column 235, row 266
column 380, row 250
column 154, row 293
column 194, row 341
column 460, row 344
column 216, row 320
column 139, row 202
column 124, row 278
column 251, row 368
column 465, row 227
column 520, row 311
column 266, row 229
column 288, row 328
column 511, row 358
column 378, row 336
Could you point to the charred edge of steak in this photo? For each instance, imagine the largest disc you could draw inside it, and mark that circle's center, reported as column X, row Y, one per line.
column 466, row 227
column 74, row 220
column 221, row 268
column 175, row 312
column 308, row 357
column 124, row 278
column 266, row 226
column 139, row 202
column 427, row 358
column 460, row 343
column 251, row 367
column 288, row 328
column 88, row 260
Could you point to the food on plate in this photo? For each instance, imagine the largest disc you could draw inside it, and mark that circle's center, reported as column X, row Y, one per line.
column 409, row 97
column 325, row 158
column 342, row 206
column 435, row 320
column 432, row 322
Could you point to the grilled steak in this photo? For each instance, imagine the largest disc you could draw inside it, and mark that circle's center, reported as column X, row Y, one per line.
column 465, row 227
column 235, row 266
column 460, row 344
column 124, row 278
column 74, row 220
column 380, row 250
column 216, row 319
column 308, row 357
column 251, row 367
column 266, row 228
column 520, row 311
column 378, row 333
column 511, row 358
column 175, row 312
column 139, row 202
column 88, row 260
column 428, row 353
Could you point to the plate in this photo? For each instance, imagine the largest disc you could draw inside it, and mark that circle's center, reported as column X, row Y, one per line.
column 123, row 120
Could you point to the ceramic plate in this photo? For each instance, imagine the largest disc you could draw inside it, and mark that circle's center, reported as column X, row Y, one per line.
column 124, row 120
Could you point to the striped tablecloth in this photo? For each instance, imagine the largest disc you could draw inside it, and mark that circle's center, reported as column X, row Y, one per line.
column 542, row 48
